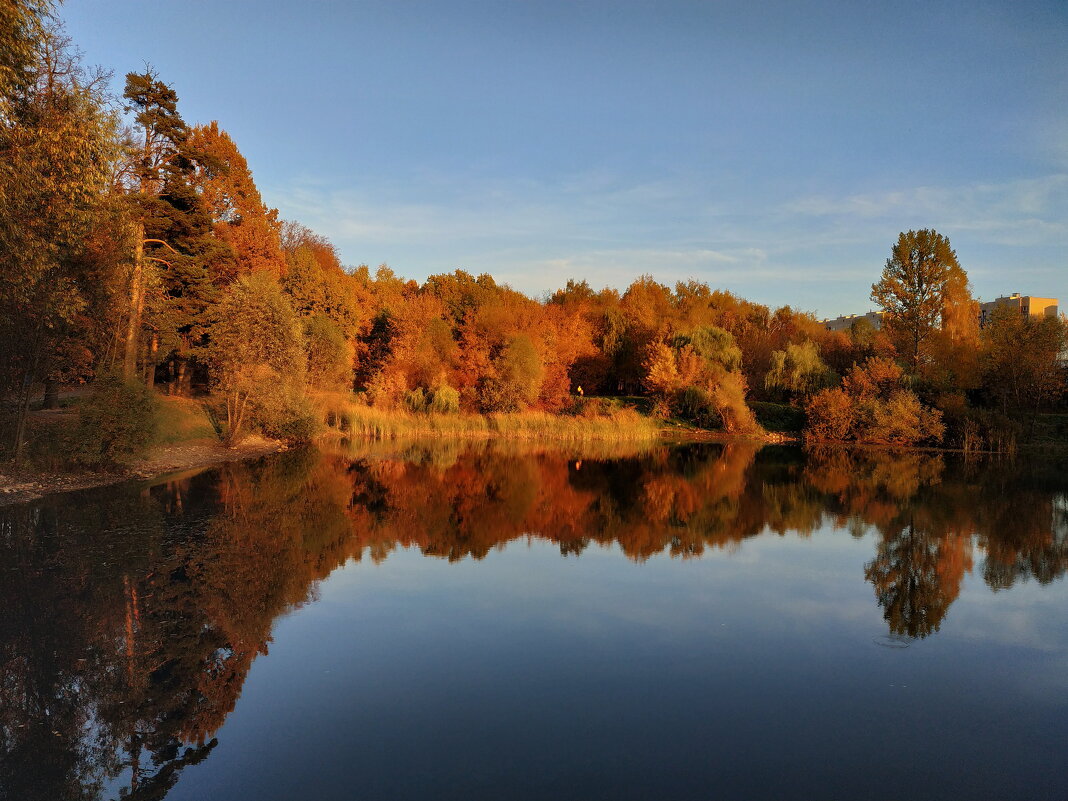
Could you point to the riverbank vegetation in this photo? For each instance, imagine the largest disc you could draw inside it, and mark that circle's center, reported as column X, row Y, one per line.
column 140, row 260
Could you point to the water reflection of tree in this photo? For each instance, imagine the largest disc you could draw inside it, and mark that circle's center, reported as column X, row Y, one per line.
column 131, row 619
column 929, row 521
column 916, row 578
column 155, row 605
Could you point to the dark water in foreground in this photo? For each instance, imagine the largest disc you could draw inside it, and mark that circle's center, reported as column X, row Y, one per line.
column 696, row 622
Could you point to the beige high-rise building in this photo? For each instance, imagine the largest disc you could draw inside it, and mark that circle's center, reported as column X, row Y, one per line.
column 1026, row 304
column 845, row 322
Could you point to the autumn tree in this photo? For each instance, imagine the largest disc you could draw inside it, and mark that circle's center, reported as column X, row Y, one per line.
column 257, row 354
column 239, row 216
column 58, row 148
column 1021, row 369
column 874, row 404
column 698, row 376
column 798, row 370
column 912, row 289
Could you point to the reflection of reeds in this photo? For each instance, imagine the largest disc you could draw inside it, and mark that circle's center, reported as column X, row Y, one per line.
column 443, row 451
column 356, row 421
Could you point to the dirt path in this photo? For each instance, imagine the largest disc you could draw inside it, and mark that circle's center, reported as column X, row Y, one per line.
column 31, row 485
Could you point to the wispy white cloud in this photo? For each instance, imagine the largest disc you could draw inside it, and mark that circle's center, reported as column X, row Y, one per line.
column 813, row 250
column 1022, row 212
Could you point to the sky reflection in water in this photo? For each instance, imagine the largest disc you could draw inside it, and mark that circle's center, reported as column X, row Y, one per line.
column 871, row 626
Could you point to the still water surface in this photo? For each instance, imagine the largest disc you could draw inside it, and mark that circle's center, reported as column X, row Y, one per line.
column 485, row 622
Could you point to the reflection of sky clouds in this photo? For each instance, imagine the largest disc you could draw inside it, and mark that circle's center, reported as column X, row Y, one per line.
column 1027, row 614
column 767, row 573
column 798, row 591
column 768, row 650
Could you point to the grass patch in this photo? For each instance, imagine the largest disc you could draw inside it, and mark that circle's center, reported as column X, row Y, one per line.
column 181, row 420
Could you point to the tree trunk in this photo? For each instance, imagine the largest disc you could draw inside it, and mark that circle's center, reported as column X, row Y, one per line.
column 23, row 409
column 150, row 366
column 137, row 302
column 181, row 377
column 51, row 394
column 20, row 419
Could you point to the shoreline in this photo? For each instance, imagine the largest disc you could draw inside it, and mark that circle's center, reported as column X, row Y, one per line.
column 26, row 486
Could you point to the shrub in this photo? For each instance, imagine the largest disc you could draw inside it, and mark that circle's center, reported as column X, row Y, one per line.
column 974, row 430
column 329, row 354
column 445, row 400
column 283, row 412
column 728, row 399
column 830, row 415
column 116, row 423
column 903, row 420
column 695, row 405
column 415, row 400
column 441, row 400
column 874, row 406
column 257, row 356
column 798, row 370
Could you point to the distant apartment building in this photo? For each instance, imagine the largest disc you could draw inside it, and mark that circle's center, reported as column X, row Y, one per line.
column 845, row 322
column 1025, row 304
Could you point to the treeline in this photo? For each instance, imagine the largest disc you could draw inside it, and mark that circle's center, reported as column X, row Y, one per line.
column 138, row 254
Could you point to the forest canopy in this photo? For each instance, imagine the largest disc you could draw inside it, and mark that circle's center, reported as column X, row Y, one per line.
column 137, row 247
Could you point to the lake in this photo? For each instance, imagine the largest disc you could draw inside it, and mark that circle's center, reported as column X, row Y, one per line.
column 479, row 620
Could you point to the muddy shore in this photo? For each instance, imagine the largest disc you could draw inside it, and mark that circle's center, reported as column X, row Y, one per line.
column 23, row 486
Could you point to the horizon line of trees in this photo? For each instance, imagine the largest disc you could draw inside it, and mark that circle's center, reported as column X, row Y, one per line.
column 137, row 246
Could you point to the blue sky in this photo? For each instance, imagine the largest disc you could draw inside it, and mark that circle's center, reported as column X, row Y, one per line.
column 775, row 150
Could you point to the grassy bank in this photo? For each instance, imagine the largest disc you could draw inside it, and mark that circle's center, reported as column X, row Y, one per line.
column 352, row 419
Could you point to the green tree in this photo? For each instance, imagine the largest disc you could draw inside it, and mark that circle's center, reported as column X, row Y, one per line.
column 256, row 350
column 329, row 354
column 912, row 289
column 58, row 149
column 174, row 250
column 517, row 377
column 798, row 370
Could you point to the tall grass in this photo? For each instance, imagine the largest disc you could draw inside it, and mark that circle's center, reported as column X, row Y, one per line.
column 353, row 419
